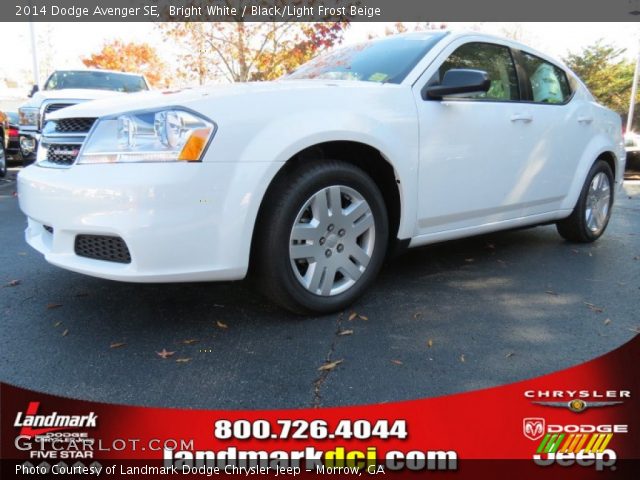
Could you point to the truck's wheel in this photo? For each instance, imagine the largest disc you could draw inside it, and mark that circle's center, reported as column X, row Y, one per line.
column 3, row 159
column 321, row 237
column 591, row 215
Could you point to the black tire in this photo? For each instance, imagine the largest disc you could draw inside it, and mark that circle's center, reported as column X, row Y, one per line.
column 574, row 228
column 3, row 159
column 281, row 206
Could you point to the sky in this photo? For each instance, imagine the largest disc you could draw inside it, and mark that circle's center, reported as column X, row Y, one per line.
column 69, row 42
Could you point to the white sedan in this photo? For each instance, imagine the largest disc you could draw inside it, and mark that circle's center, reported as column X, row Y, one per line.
column 309, row 182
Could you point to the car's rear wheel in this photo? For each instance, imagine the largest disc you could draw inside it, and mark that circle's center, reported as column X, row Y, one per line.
column 591, row 215
column 3, row 159
column 321, row 237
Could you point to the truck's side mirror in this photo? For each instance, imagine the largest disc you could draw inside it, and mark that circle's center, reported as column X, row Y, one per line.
column 459, row 81
column 34, row 90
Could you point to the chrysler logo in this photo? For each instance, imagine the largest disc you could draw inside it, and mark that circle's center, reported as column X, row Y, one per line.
column 533, row 428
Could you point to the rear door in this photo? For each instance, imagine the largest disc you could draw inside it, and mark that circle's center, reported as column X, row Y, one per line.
column 560, row 130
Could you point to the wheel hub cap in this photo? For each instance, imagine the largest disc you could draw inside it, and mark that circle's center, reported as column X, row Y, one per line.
column 332, row 240
column 598, row 203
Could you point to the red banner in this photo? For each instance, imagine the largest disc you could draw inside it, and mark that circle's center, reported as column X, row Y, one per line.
column 581, row 422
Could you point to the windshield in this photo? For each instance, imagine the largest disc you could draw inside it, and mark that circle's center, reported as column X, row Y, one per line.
column 385, row 61
column 118, row 82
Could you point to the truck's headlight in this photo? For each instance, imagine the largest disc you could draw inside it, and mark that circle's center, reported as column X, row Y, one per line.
column 168, row 135
column 28, row 116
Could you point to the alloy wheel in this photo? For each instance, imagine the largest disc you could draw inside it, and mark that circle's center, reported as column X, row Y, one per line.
column 598, row 203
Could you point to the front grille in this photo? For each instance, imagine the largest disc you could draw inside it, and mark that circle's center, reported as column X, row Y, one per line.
column 74, row 125
column 102, row 247
column 62, row 154
column 52, row 107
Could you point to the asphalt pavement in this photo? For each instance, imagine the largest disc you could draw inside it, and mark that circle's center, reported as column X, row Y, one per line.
column 448, row 318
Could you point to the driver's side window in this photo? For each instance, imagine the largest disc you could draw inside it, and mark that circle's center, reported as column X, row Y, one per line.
column 494, row 59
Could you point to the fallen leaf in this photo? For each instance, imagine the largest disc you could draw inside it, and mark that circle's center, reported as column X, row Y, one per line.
column 607, row 321
column 57, row 324
column 430, row 343
column 345, row 332
column 164, row 353
column 469, row 260
column 590, row 254
column 491, row 246
column 575, row 251
column 13, row 283
column 117, row 345
column 65, row 333
column 221, row 325
column 594, row 308
column 362, row 317
column 635, row 330
column 551, row 292
column 190, row 341
column 417, row 315
column 182, row 360
column 509, row 355
column 51, row 306
column 330, row 365
column 462, row 358
column 22, row 254
column 352, row 316
column 396, row 362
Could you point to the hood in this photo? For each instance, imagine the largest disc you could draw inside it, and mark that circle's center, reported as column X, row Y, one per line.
column 191, row 97
column 70, row 94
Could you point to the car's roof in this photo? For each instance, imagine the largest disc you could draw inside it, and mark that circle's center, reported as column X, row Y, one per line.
column 452, row 35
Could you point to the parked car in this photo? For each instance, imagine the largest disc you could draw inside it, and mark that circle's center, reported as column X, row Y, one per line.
column 632, row 142
column 64, row 88
column 9, row 140
column 310, row 181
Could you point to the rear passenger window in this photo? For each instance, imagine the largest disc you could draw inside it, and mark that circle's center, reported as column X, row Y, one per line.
column 549, row 83
column 495, row 60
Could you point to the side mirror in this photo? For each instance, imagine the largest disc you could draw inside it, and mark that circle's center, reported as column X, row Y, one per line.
column 459, row 81
column 34, row 89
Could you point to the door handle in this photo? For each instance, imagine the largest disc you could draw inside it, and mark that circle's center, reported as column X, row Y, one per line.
column 521, row 117
column 585, row 119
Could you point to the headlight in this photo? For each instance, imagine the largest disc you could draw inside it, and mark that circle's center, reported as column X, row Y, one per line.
column 169, row 135
column 28, row 116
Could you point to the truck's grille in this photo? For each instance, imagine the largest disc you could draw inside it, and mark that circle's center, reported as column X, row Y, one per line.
column 62, row 154
column 102, row 247
column 50, row 108
column 74, row 125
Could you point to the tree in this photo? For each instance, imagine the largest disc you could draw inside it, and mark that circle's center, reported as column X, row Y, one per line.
column 608, row 76
column 404, row 27
column 240, row 52
column 130, row 57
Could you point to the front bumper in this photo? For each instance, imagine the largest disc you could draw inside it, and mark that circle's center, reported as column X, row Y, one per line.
column 180, row 222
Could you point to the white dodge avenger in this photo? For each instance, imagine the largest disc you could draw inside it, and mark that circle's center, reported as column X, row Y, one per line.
column 309, row 182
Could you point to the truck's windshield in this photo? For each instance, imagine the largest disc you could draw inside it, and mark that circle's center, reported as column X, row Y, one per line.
column 118, row 82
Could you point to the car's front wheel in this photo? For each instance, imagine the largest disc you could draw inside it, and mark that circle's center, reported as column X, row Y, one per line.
column 321, row 237
column 591, row 214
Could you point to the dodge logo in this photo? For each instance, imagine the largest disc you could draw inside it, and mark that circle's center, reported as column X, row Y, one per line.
column 533, row 428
